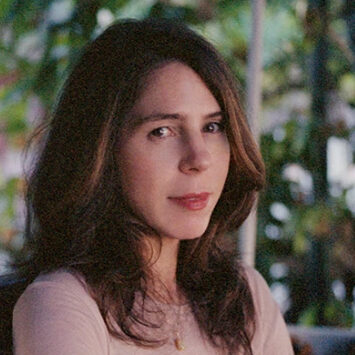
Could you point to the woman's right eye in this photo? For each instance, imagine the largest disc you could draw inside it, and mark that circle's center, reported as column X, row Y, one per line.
column 161, row 132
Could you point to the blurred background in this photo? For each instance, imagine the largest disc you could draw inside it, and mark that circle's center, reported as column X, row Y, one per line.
column 305, row 231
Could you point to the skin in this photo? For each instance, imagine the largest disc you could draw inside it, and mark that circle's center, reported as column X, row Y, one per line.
column 178, row 147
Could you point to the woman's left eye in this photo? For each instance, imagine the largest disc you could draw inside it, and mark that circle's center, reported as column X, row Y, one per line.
column 214, row 127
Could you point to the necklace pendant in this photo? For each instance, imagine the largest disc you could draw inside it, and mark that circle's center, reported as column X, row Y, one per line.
column 179, row 344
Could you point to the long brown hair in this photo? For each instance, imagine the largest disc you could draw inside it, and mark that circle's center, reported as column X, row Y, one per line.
column 77, row 217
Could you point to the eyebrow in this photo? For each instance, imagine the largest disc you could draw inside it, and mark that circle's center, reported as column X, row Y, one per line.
column 138, row 120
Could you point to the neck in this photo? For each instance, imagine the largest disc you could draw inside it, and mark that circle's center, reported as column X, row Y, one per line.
column 163, row 269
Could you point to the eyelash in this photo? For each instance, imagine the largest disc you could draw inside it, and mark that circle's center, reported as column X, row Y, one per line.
column 220, row 128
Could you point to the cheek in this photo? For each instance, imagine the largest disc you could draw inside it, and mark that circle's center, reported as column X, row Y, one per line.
column 149, row 161
column 142, row 171
column 223, row 166
column 222, row 157
column 133, row 177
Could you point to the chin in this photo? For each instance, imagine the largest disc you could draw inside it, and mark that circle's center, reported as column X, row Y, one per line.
column 188, row 232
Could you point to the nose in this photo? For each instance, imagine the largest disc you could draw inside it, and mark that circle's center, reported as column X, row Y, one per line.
column 196, row 157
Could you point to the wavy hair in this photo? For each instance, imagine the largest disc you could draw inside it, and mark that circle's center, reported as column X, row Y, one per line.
column 77, row 217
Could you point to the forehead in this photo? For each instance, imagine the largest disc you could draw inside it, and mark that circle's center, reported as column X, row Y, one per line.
column 174, row 87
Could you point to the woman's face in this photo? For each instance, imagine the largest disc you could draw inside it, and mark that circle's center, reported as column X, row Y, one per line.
column 174, row 161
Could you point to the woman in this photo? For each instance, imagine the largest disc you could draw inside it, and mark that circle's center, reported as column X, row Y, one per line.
column 147, row 162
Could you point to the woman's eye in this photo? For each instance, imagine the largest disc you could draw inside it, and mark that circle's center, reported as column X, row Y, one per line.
column 160, row 132
column 214, row 127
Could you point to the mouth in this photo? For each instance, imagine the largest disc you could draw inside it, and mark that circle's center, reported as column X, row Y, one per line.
column 193, row 201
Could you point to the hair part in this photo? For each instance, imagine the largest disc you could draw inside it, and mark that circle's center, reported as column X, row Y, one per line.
column 78, row 218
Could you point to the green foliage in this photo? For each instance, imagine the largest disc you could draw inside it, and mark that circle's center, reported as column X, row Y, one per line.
column 41, row 39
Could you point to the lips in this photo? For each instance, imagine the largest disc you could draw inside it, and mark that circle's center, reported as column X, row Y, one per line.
column 193, row 201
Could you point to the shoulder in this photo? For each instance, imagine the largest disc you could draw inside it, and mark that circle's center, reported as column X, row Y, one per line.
column 271, row 336
column 258, row 286
column 264, row 304
column 55, row 289
column 62, row 280
column 56, row 314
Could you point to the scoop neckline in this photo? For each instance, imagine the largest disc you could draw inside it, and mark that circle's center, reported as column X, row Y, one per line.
column 182, row 307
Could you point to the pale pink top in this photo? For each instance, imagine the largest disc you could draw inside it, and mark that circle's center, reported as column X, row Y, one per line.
column 57, row 316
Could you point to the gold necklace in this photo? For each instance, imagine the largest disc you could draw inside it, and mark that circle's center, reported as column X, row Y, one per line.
column 178, row 341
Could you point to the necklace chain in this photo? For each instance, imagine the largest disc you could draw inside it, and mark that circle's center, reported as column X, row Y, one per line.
column 178, row 336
